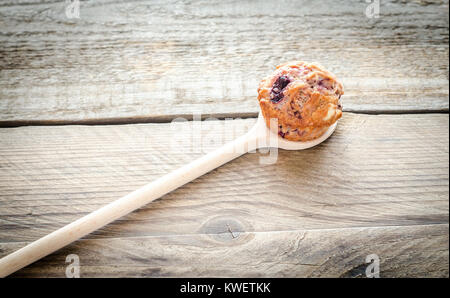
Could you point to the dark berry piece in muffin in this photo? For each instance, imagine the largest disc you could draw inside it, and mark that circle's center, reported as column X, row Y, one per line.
column 277, row 90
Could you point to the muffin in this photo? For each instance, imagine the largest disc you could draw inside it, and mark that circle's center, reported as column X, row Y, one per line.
column 304, row 97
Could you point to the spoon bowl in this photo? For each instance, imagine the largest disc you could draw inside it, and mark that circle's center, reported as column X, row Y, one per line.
column 266, row 136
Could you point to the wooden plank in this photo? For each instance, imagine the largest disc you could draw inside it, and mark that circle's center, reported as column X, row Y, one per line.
column 140, row 61
column 379, row 170
column 414, row 251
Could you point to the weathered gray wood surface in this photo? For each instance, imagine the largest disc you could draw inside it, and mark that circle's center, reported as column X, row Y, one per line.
column 378, row 186
column 411, row 251
column 376, row 171
column 140, row 61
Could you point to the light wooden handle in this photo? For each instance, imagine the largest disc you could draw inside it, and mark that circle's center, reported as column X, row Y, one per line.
column 97, row 219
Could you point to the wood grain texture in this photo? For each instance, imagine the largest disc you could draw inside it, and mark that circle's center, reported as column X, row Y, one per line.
column 414, row 251
column 389, row 170
column 138, row 61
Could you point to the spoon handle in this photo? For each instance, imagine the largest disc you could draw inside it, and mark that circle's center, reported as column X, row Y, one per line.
column 114, row 210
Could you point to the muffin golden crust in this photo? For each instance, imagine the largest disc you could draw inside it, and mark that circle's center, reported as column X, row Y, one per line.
column 304, row 97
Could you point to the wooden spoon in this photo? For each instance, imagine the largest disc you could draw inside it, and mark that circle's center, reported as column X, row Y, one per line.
column 258, row 137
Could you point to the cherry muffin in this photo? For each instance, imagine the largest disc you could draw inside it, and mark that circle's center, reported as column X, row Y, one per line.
column 304, row 97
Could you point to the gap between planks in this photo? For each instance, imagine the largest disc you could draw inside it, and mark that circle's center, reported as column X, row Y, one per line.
column 188, row 117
